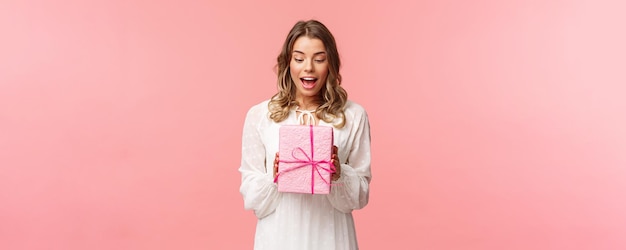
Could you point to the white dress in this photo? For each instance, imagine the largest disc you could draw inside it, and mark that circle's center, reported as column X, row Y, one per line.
column 304, row 221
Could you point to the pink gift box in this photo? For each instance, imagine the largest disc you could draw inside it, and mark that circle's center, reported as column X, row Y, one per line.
column 305, row 159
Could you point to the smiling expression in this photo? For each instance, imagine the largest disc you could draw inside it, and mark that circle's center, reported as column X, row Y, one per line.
column 308, row 67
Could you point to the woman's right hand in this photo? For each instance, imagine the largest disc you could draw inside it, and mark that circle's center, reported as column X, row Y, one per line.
column 276, row 165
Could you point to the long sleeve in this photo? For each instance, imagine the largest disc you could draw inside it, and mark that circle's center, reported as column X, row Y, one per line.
column 257, row 187
column 351, row 190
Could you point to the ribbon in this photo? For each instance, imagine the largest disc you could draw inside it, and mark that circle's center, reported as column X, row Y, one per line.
column 309, row 113
column 315, row 165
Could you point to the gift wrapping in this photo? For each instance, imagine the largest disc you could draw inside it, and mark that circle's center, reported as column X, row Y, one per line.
column 305, row 159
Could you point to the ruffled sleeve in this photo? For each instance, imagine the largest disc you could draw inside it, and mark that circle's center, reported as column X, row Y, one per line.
column 351, row 190
column 257, row 186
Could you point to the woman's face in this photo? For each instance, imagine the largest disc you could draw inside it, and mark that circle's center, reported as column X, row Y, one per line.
column 308, row 66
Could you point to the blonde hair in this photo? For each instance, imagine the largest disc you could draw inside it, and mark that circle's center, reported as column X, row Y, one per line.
column 333, row 96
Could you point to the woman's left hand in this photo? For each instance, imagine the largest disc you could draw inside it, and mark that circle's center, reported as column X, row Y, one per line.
column 336, row 163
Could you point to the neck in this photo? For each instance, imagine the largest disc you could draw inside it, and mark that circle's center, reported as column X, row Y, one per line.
column 307, row 103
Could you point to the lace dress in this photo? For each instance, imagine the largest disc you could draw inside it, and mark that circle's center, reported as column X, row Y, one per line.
column 293, row 221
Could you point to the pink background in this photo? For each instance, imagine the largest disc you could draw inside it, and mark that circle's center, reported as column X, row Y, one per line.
column 495, row 124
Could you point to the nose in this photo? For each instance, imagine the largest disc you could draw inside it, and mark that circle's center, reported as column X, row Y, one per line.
column 309, row 66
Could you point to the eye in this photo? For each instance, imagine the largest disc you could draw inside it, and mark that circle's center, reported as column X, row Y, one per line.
column 320, row 60
column 298, row 60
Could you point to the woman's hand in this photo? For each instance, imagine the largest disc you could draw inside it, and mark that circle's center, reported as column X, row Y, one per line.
column 335, row 160
column 276, row 165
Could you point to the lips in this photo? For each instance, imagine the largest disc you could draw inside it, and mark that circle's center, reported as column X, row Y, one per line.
column 308, row 82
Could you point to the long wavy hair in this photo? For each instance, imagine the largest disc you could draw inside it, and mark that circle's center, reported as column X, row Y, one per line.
column 333, row 97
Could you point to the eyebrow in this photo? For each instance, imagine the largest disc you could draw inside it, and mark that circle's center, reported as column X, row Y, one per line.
column 317, row 53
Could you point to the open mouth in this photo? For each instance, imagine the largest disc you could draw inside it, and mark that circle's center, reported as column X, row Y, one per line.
column 308, row 82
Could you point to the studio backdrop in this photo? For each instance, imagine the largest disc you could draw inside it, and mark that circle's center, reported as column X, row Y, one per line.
column 495, row 124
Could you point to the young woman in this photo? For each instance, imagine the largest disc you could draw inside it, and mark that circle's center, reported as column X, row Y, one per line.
column 309, row 92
